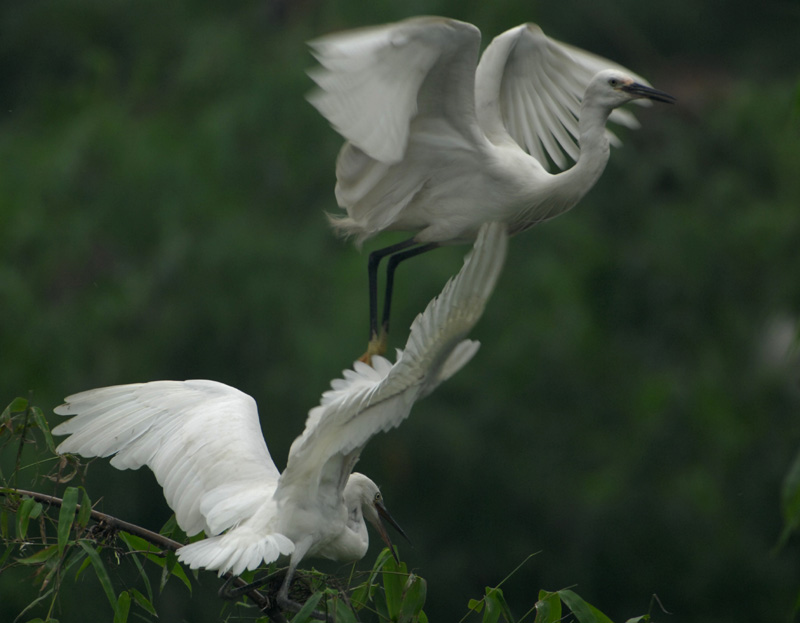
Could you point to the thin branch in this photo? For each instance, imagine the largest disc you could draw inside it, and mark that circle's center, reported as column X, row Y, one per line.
column 148, row 535
column 266, row 605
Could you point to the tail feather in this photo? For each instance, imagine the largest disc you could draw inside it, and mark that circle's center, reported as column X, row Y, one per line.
column 235, row 551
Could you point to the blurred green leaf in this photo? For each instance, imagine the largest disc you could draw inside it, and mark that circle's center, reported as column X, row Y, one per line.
column 414, row 594
column 143, row 601
column 475, row 605
column 171, row 566
column 308, row 608
column 38, row 417
column 85, row 511
column 28, row 508
column 122, row 607
column 496, row 606
column 394, row 576
column 135, row 557
column 583, row 611
column 41, row 556
column 167, row 561
column 364, row 592
column 548, row 608
column 18, row 405
column 66, row 515
column 790, row 501
column 100, row 571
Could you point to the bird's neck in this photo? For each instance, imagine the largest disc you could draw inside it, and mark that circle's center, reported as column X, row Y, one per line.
column 594, row 152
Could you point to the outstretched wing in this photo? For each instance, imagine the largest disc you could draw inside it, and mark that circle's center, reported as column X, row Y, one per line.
column 373, row 81
column 202, row 439
column 371, row 399
column 534, row 85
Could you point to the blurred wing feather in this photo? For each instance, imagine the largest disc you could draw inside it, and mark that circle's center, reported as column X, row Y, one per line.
column 373, row 81
column 539, row 91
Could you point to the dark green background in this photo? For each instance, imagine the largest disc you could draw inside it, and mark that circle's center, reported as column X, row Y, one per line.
column 632, row 410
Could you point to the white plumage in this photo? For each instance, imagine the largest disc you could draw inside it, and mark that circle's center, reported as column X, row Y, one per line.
column 437, row 143
column 203, row 442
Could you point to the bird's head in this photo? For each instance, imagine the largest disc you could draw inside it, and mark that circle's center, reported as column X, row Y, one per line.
column 372, row 506
column 611, row 88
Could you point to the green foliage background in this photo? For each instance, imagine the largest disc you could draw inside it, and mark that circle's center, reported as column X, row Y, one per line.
column 633, row 409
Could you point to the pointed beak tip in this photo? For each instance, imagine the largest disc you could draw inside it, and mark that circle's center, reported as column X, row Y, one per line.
column 384, row 514
column 642, row 91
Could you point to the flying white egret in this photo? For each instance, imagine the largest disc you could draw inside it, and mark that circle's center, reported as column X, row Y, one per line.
column 203, row 442
column 438, row 147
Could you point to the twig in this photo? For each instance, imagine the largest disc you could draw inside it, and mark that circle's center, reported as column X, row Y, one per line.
column 118, row 524
column 266, row 605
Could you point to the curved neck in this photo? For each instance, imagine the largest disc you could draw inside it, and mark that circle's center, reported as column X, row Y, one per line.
column 594, row 153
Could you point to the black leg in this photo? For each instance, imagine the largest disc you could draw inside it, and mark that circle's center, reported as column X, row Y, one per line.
column 394, row 260
column 372, row 273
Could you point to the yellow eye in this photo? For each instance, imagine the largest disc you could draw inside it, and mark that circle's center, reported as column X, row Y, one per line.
column 613, row 82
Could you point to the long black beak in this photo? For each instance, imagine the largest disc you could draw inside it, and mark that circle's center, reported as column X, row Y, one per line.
column 640, row 90
column 383, row 513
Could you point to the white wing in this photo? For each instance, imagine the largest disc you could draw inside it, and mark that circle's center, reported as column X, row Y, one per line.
column 533, row 85
column 374, row 81
column 202, row 439
column 369, row 400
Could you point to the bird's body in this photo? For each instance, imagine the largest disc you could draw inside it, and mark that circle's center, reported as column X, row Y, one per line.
column 202, row 440
column 452, row 146
column 438, row 144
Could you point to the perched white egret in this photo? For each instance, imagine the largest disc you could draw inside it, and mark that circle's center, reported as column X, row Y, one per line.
column 203, row 442
column 437, row 147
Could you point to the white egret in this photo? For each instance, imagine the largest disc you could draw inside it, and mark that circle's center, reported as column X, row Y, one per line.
column 437, row 147
column 203, row 442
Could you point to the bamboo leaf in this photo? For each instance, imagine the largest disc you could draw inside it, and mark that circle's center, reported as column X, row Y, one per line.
column 23, row 515
column 475, row 605
column 308, row 608
column 143, row 601
column 583, row 611
column 41, row 422
column 494, row 606
column 362, row 594
column 138, row 544
column 144, row 577
column 122, row 607
column 393, row 580
column 66, row 515
column 76, row 556
column 548, row 608
column 341, row 612
column 168, row 562
column 18, row 405
column 172, row 567
column 39, row 557
column 84, row 565
column 85, row 511
column 414, row 594
column 100, row 570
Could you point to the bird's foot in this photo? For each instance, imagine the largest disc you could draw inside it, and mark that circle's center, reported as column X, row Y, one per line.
column 376, row 346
